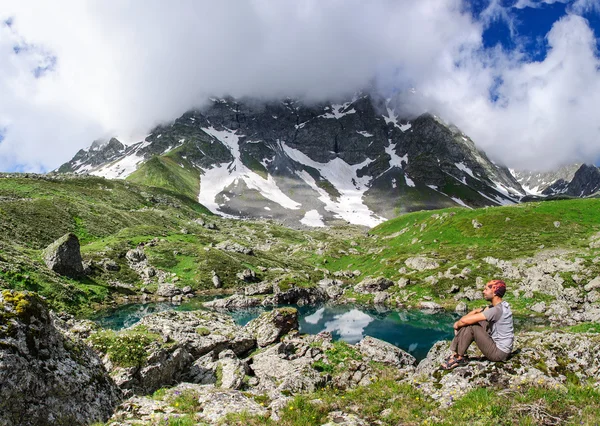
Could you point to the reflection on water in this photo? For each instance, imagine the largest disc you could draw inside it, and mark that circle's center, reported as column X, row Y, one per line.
column 411, row 330
column 414, row 331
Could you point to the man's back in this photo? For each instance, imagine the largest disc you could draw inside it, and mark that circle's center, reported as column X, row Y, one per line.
column 501, row 326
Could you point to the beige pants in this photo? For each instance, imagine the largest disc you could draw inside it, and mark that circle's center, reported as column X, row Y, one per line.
column 477, row 333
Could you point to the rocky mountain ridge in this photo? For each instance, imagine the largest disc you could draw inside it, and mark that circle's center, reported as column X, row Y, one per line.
column 575, row 180
column 312, row 165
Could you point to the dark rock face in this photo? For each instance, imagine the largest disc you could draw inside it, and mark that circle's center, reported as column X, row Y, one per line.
column 64, row 257
column 47, row 378
column 585, row 182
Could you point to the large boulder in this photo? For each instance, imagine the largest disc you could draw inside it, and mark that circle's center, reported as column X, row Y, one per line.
column 373, row 285
column 380, row 351
column 297, row 296
column 236, row 301
column 46, row 377
column 421, row 263
column 287, row 367
column 200, row 331
column 270, row 326
column 63, row 256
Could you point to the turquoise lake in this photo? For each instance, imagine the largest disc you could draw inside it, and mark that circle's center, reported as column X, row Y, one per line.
column 411, row 330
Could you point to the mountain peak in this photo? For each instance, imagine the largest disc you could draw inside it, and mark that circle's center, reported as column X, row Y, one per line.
column 310, row 165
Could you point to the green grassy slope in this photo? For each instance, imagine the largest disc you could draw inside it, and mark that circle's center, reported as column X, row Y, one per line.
column 171, row 172
column 113, row 216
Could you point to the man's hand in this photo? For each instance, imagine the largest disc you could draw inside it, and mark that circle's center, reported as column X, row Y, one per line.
column 457, row 325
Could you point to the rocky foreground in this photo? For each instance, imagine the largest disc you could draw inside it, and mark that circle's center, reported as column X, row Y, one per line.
column 57, row 370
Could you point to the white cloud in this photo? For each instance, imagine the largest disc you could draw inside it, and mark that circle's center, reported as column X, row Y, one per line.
column 123, row 67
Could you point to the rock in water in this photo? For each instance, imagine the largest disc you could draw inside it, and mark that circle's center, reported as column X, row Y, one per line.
column 47, row 378
column 64, row 257
column 270, row 326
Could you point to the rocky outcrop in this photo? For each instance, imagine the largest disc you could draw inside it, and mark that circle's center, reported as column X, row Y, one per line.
column 237, row 301
column 287, row 367
column 373, row 285
column 270, row 326
column 213, row 405
column 235, row 248
column 46, row 377
column 380, row 351
column 421, row 263
column 297, row 296
column 63, row 256
column 549, row 359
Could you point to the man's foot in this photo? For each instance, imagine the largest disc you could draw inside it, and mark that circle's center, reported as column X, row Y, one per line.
column 454, row 361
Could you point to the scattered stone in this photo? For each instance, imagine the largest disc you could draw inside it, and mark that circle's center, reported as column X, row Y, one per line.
column 380, row 351
column 247, row 275
column 373, row 285
column 135, row 256
column 264, row 287
column 461, row 307
column 381, row 297
column 216, row 280
column 270, row 326
column 187, row 290
column 539, row 307
column 593, row 284
column 63, row 256
column 557, row 224
column 476, row 224
column 111, row 265
column 235, row 247
column 421, row 263
column 339, row 418
column 167, row 290
column 430, row 306
column 403, row 282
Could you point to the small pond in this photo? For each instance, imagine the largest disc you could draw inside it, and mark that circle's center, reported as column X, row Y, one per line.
column 412, row 330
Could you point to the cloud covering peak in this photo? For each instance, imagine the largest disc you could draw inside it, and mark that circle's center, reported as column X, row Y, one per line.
column 87, row 69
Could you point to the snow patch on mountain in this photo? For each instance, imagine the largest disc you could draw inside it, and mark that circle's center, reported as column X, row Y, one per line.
column 391, row 117
column 219, row 177
column 345, row 180
column 313, row 218
column 336, row 111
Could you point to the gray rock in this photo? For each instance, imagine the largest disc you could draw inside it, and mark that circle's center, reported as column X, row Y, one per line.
column 339, row 418
column 136, row 255
column 297, row 295
column 187, row 290
column 168, row 290
column 247, row 275
column 333, row 288
column 235, row 247
column 557, row 224
column 216, row 280
column 476, row 224
column 63, row 256
column 111, row 265
column 287, row 366
column 373, row 285
column 185, row 328
column 461, row 307
column 46, row 376
column 380, row 351
column 430, row 306
column 232, row 370
column 381, row 297
column 264, row 287
column 236, row 301
column 403, row 282
column 593, row 284
column 270, row 326
column 539, row 307
column 421, row 263
column 561, row 354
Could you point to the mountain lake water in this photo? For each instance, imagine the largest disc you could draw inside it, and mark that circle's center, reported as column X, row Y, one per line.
column 412, row 330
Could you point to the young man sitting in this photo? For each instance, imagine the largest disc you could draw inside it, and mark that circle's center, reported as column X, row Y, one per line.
column 491, row 328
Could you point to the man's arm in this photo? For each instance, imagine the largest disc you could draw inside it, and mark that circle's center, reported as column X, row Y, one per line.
column 472, row 317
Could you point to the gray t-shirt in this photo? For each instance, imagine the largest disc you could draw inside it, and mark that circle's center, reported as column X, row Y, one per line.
column 501, row 326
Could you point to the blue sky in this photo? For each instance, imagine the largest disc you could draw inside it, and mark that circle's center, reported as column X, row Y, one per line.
column 520, row 77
